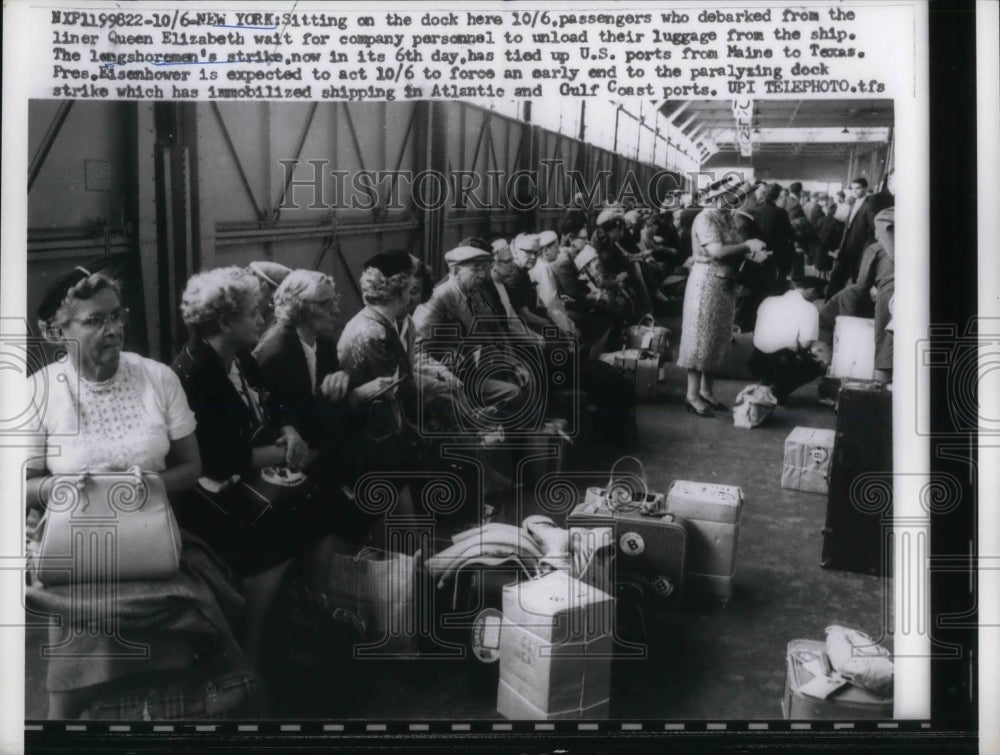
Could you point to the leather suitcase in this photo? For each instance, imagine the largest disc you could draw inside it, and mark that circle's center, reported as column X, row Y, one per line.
column 654, row 547
column 640, row 368
column 854, row 538
column 847, row 703
column 712, row 514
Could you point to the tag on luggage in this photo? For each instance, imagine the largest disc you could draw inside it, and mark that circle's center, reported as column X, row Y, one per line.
column 822, row 687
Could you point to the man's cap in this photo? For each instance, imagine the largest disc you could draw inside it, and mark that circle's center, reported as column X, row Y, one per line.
column 526, row 242
column 461, row 255
column 886, row 217
column 547, row 237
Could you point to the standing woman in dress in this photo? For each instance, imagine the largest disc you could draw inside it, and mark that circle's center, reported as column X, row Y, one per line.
column 710, row 296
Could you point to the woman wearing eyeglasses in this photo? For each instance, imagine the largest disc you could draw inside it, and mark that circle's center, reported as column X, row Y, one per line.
column 107, row 410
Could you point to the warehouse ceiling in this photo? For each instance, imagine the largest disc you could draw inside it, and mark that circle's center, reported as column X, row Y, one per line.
column 794, row 128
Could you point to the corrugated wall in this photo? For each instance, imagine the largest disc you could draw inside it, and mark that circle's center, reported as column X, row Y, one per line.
column 190, row 186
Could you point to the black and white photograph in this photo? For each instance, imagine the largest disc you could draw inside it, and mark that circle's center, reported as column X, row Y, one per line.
column 416, row 399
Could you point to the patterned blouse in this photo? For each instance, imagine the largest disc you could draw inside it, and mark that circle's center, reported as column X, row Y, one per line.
column 129, row 419
column 713, row 226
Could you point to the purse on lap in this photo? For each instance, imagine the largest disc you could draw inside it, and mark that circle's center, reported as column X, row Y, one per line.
column 108, row 526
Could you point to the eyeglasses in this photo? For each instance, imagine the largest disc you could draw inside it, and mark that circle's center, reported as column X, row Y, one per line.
column 100, row 322
column 328, row 304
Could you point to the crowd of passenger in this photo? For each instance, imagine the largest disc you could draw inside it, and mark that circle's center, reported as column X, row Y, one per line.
column 264, row 382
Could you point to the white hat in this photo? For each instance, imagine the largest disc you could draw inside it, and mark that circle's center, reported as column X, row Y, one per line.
column 547, row 237
column 607, row 215
column 587, row 255
column 462, row 254
column 526, row 242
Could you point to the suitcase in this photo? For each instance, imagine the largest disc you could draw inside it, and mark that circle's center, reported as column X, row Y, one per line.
column 847, row 703
column 806, row 465
column 853, row 348
column 640, row 368
column 855, row 536
column 651, row 546
column 712, row 514
column 654, row 547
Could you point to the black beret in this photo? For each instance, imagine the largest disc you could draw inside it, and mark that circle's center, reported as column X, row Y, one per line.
column 390, row 263
column 56, row 294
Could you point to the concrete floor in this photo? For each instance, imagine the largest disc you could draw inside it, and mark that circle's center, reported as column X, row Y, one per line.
column 705, row 661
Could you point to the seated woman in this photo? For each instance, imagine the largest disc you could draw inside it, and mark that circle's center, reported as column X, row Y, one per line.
column 298, row 355
column 241, row 431
column 108, row 411
column 408, row 411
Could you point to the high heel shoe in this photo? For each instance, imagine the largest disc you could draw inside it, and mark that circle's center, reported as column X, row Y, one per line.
column 711, row 402
column 695, row 410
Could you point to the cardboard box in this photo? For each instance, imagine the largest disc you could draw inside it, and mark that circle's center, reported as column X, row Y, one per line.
column 806, row 467
column 515, row 707
column 558, row 608
column 556, row 644
column 553, row 678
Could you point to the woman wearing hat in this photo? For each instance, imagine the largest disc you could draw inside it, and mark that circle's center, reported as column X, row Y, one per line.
column 269, row 275
column 710, row 296
column 109, row 410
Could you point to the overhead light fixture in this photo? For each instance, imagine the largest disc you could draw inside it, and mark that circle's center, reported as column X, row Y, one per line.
column 845, row 131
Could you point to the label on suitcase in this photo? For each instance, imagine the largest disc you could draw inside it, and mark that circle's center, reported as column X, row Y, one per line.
column 655, row 546
column 814, row 691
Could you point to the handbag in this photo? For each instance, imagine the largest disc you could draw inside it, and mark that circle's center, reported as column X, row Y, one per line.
column 107, row 526
column 753, row 406
column 756, row 275
column 648, row 336
column 378, row 587
column 253, row 499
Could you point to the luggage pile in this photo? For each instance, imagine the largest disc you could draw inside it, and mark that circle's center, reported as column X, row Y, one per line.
column 641, row 360
column 849, row 676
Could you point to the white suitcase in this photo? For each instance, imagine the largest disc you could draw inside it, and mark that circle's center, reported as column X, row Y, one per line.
column 853, row 348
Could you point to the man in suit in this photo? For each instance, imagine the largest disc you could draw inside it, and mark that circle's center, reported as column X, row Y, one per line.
column 859, row 232
column 776, row 231
column 458, row 327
